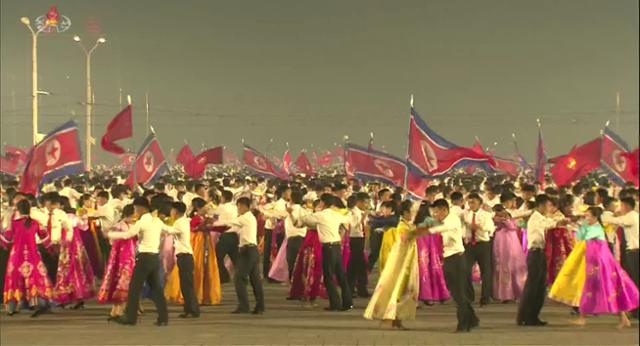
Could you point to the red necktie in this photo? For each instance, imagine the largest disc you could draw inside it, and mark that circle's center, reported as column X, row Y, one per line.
column 49, row 223
column 473, row 229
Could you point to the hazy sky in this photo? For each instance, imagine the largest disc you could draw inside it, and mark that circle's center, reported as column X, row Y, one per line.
column 312, row 71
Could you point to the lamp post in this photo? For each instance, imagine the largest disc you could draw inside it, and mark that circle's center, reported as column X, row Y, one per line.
column 89, row 140
column 34, row 74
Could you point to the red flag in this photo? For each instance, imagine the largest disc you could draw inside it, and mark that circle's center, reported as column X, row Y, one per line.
column 8, row 165
column 195, row 168
column 127, row 159
column 417, row 184
column 433, row 155
column 325, row 159
column 541, row 159
column 119, row 128
column 613, row 158
column 57, row 155
column 286, row 161
column 149, row 164
column 303, row 165
column 371, row 164
column 260, row 164
column 19, row 154
column 632, row 161
column 185, row 155
column 577, row 163
column 510, row 167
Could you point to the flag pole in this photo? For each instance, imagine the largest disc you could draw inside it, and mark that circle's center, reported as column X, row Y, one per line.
column 146, row 101
column 617, row 112
column 133, row 163
column 406, row 157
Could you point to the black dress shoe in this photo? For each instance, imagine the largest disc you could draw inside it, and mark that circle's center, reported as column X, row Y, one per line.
column 112, row 318
column 189, row 315
column 39, row 312
column 238, row 311
column 462, row 330
column 537, row 323
column 346, row 308
column 11, row 313
column 124, row 321
column 160, row 323
column 257, row 311
column 331, row 309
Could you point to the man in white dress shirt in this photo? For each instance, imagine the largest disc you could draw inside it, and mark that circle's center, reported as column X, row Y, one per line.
column 328, row 222
column 295, row 235
column 275, row 212
column 228, row 241
column 534, row 291
column 357, row 270
column 479, row 229
column 148, row 229
column 455, row 265
column 70, row 193
column 248, row 268
column 184, row 259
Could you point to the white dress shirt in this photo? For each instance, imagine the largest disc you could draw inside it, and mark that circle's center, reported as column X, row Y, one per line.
column 629, row 223
column 456, row 210
column 107, row 216
column 357, row 222
column 492, row 202
column 187, row 198
column 182, row 236
column 247, row 228
column 536, row 228
column 71, row 194
column 276, row 210
column 290, row 228
column 226, row 212
column 148, row 228
column 327, row 222
column 484, row 221
column 452, row 232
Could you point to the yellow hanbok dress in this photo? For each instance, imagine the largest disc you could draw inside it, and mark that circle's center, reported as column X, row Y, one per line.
column 388, row 240
column 396, row 294
column 206, row 278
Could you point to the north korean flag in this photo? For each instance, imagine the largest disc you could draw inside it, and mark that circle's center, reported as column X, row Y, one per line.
column 614, row 158
column 8, row 165
column 303, row 165
column 417, row 184
column 432, row 155
column 510, row 167
column 286, row 161
column 374, row 165
column 150, row 163
column 57, row 155
column 259, row 163
column 17, row 153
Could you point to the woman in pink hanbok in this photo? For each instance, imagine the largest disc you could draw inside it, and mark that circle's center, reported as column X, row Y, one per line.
column 510, row 265
column 74, row 280
column 115, row 284
column 26, row 277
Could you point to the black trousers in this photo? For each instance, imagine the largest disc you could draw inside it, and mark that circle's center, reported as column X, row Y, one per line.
column 146, row 269
column 332, row 266
column 50, row 262
column 227, row 246
column 248, row 269
column 480, row 253
column 631, row 266
column 534, row 291
column 357, row 270
column 293, row 245
column 375, row 242
column 4, row 259
column 266, row 253
column 185, row 271
column 458, row 282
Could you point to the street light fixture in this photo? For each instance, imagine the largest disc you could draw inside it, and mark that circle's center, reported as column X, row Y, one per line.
column 88, row 52
column 34, row 74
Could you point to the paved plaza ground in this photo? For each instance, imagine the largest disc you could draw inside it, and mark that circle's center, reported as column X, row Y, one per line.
column 289, row 323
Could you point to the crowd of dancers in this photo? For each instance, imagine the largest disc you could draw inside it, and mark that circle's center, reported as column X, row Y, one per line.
column 90, row 236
